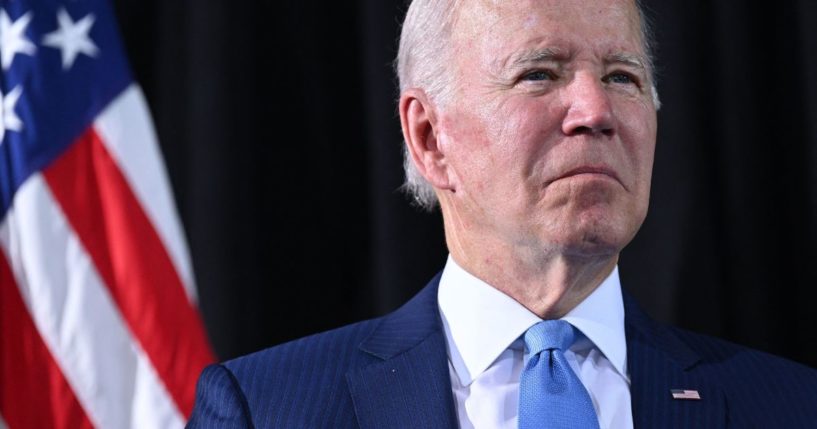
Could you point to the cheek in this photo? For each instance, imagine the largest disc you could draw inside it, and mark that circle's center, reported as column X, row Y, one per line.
column 501, row 148
column 482, row 140
column 522, row 132
column 638, row 136
column 468, row 156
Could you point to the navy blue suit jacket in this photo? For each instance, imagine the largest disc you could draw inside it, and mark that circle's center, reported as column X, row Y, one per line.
column 392, row 372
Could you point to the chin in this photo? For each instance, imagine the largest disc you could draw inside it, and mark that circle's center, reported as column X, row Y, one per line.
column 593, row 247
column 597, row 235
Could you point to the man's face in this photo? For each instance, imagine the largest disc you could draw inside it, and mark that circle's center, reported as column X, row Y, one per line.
column 550, row 135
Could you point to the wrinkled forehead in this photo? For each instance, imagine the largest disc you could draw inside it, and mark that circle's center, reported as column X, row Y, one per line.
column 611, row 24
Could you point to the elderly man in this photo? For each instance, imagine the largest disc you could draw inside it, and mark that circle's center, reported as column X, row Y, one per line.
column 532, row 124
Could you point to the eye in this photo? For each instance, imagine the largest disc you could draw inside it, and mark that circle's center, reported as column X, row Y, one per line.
column 620, row 78
column 538, row 75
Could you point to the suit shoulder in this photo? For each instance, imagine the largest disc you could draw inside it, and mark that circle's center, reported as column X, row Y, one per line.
column 307, row 353
column 302, row 380
column 753, row 379
column 716, row 351
column 218, row 400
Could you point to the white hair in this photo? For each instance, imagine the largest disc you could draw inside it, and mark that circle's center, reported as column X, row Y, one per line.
column 422, row 62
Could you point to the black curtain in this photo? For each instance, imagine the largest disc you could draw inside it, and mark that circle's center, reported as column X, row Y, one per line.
column 278, row 126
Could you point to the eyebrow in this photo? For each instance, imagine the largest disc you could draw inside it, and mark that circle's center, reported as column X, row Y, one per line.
column 627, row 59
column 534, row 56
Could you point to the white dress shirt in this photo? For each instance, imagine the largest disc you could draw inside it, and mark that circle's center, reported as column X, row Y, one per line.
column 486, row 355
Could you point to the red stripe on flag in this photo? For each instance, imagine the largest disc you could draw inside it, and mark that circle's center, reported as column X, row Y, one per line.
column 133, row 263
column 33, row 391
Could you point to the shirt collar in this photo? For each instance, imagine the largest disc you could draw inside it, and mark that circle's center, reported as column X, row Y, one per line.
column 480, row 322
column 600, row 317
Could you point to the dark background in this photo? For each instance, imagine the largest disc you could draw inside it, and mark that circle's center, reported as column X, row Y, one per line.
column 277, row 122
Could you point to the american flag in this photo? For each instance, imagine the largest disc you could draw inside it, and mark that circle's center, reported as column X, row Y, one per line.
column 685, row 394
column 99, row 325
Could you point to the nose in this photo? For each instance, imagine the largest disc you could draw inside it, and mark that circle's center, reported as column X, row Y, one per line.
column 588, row 107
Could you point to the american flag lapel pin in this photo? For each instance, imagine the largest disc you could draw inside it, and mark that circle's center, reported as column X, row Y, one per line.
column 685, row 394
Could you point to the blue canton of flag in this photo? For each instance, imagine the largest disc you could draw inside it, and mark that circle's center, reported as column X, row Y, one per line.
column 62, row 64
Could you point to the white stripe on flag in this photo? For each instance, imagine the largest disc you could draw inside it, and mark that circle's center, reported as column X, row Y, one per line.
column 77, row 319
column 126, row 130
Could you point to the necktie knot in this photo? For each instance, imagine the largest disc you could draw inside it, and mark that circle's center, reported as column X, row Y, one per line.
column 550, row 393
column 549, row 335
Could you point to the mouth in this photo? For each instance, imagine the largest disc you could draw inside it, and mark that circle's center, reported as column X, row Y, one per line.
column 598, row 171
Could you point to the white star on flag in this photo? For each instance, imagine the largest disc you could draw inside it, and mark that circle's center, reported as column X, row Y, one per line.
column 12, row 38
column 72, row 38
column 9, row 119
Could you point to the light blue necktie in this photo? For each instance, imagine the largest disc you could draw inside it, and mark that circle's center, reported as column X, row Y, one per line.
column 550, row 393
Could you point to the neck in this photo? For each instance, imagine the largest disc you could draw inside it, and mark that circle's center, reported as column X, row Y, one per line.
column 549, row 284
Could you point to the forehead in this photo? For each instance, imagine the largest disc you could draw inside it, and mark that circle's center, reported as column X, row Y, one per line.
column 611, row 26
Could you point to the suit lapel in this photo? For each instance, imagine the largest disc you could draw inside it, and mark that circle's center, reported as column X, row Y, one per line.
column 409, row 385
column 659, row 362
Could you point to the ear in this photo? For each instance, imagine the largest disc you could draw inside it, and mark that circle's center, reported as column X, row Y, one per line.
column 419, row 119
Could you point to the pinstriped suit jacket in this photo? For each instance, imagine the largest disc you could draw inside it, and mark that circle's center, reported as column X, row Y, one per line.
column 392, row 372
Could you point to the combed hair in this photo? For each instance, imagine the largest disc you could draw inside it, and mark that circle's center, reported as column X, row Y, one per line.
column 422, row 57
column 425, row 45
